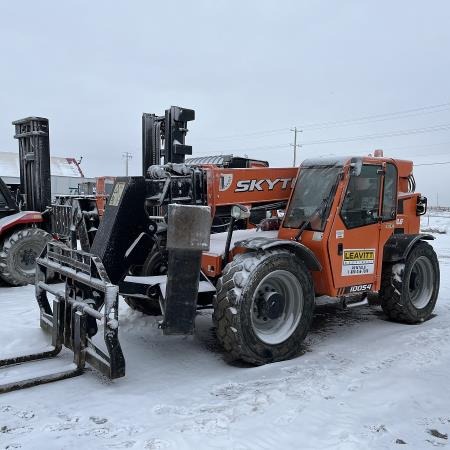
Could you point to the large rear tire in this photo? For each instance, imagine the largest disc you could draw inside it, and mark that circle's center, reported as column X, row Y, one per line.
column 18, row 254
column 409, row 290
column 264, row 306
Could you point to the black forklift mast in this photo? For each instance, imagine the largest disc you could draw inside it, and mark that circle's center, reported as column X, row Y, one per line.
column 125, row 222
column 163, row 137
column 34, row 158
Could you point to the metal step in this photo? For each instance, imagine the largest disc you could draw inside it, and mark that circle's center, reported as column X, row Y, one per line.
column 356, row 304
column 138, row 286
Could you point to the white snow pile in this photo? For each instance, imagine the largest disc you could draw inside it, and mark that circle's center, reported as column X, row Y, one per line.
column 362, row 382
column 439, row 222
column 434, row 230
column 397, row 270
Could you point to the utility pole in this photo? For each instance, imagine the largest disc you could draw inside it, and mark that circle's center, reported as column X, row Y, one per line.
column 127, row 156
column 295, row 145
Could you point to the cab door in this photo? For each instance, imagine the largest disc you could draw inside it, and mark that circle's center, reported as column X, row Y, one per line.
column 353, row 243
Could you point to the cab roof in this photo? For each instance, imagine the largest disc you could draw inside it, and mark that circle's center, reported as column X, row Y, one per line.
column 404, row 167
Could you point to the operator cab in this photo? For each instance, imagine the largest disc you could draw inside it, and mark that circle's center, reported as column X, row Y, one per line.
column 344, row 210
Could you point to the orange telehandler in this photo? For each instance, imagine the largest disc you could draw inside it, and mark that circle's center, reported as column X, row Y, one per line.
column 350, row 227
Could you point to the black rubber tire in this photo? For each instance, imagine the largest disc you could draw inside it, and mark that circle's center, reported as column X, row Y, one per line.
column 149, row 307
column 395, row 287
column 233, row 302
column 155, row 264
column 373, row 299
column 18, row 254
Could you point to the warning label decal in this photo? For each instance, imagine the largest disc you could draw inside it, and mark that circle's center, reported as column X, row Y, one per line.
column 360, row 261
column 117, row 193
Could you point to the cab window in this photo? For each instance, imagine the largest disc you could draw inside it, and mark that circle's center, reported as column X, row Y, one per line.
column 389, row 208
column 313, row 194
column 362, row 198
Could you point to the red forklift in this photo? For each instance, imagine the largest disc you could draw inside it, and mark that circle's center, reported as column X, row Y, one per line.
column 25, row 214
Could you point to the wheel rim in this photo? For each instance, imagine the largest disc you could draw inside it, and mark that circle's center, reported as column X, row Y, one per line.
column 156, row 265
column 277, row 307
column 421, row 282
column 25, row 259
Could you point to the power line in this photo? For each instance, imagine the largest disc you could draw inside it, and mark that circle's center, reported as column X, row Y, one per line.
column 443, row 127
column 430, row 109
column 433, row 164
column 384, row 119
column 227, row 152
column 245, row 135
column 407, row 147
column 396, row 133
column 379, row 117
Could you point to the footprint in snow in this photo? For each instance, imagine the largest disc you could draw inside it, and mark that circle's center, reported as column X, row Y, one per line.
column 354, row 387
column 437, row 434
column 125, row 444
column 157, row 444
column 435, row 443
column 377, row 428
column 27, row 415
column 66, row 423
column 98, row 420
column 18, row 430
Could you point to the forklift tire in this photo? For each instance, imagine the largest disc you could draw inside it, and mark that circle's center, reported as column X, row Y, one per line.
column 149, row 307
column 264, row 306
column 18, row 253
column 409, row 290
column 155, row 264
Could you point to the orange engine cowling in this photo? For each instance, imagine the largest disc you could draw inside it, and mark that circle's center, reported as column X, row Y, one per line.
column 250, row 186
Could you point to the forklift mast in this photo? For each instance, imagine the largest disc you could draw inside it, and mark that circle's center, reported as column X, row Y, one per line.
column 163, row 137
column 34, row 158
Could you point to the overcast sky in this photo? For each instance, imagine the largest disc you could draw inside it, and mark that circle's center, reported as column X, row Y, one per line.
column 246, row 67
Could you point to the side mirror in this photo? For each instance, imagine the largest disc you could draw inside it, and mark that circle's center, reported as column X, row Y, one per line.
column 239, row 212
column 421, row 207
column 356, row 166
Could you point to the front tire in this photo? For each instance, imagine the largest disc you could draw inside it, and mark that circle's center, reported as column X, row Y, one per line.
column 18, row 255
column 264, row 306
column 409, row 290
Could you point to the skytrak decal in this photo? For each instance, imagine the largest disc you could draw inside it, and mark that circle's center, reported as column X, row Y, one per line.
column 262, row 185
column 225, row 181
column 359, row 261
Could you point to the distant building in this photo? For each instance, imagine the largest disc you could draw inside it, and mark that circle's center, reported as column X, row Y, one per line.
column 66, row 173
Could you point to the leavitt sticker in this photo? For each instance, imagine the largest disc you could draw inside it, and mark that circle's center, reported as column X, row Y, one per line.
column 358, row 261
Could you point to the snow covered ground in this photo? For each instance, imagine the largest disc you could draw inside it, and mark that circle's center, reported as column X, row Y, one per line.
column 362, row 382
